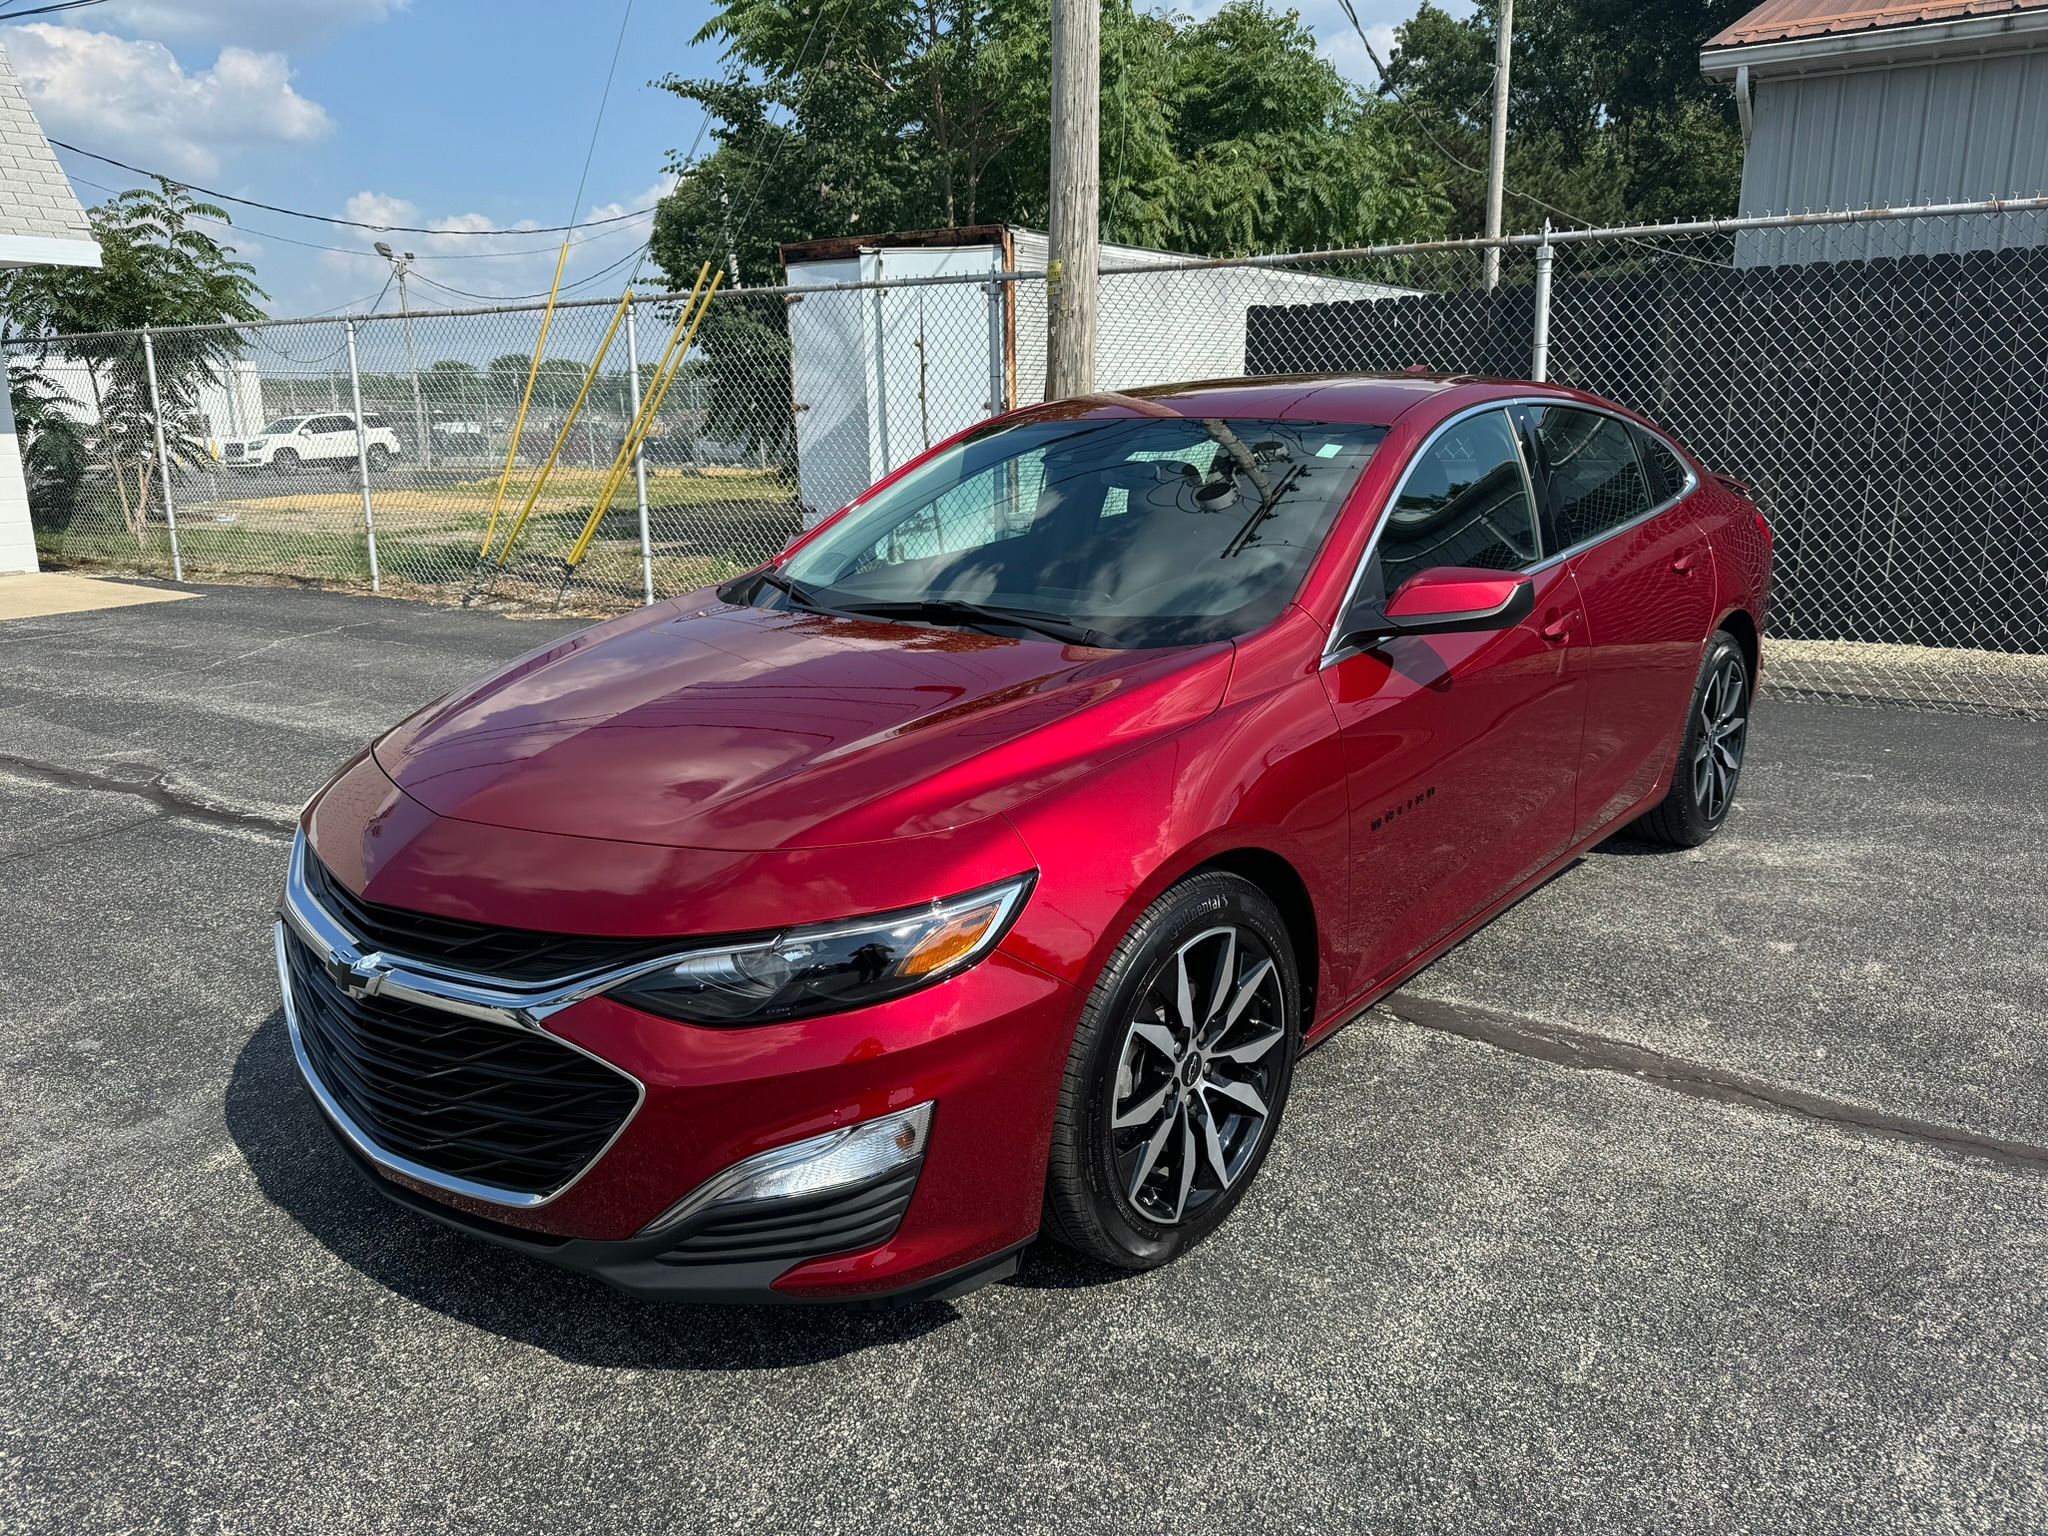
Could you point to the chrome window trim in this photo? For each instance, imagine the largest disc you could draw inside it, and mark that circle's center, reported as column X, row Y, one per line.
column 1332, row 654
column 1692, row 479
column 369, row 1147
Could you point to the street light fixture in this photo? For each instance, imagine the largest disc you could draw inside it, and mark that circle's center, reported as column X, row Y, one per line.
column 399, row 267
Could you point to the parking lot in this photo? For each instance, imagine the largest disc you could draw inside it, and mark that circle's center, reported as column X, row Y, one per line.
column 1703, row 1191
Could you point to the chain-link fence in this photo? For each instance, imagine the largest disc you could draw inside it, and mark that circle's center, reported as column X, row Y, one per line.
column 1876, row 379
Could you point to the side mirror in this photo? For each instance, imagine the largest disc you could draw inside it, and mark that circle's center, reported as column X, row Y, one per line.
column 1449, row 600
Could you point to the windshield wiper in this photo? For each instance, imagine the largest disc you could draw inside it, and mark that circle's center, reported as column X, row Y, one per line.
column 954, row 608
column 1242, row 540
column 795, row 592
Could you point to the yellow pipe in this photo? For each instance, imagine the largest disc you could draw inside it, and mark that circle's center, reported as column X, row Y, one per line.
column 664, row 367
column 623, row 461
column 604, row 504
column 561, row 439
column 519, row 423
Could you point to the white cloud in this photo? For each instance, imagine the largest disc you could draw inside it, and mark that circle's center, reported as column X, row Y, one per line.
column 286, row 24
column 136, row 100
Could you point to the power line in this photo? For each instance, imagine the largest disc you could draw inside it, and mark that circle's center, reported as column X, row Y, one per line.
column 382, row 229
column 44, row 10
column 352, row 250
column 514, row 298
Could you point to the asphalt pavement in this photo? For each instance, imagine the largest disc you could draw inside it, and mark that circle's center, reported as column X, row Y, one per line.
column 1593, row 1284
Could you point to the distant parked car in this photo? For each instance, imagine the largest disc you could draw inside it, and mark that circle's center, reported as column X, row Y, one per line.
column 458, row 436
column 293, row 442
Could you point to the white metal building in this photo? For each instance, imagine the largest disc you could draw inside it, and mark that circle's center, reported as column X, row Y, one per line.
column 41, row 225
column 879, row 375
column 1882, row 104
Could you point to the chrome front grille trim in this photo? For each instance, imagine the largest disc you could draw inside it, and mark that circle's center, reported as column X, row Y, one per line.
column 490, row 998
column 392, row 1162
column 377, row 975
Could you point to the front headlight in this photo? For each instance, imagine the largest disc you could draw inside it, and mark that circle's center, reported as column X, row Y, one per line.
column 830, row 967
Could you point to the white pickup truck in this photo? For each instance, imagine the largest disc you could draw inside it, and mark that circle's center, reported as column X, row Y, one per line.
column 290, row 444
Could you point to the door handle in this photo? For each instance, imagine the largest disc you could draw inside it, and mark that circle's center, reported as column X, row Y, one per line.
column 1560, row 627
column 1685, row 562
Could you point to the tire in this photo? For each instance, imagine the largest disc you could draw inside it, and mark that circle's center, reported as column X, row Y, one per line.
column 379, row 458
column 1139, row 1194
column 285, row 462
column 1709, row 755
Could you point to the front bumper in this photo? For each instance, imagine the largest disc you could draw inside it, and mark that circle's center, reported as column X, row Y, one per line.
column 643, row 1268
column 986, row 1047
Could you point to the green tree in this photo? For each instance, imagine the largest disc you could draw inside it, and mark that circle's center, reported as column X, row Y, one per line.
column 1222, row 137
column 1609, row 118
column 844, row 117
column 156, row 269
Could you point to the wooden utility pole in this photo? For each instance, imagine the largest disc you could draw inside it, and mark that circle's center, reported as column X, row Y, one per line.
column 1076, row 198
column 1496, row 165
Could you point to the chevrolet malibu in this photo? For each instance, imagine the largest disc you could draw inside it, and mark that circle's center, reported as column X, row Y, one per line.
column 979, row 868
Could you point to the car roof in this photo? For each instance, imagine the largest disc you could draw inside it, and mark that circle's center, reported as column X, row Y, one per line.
column 1366, row 398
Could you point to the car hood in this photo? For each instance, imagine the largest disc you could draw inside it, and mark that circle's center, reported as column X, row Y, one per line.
column 741, row 728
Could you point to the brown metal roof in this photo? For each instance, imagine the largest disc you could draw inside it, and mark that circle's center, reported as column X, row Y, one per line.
column 1776, row 20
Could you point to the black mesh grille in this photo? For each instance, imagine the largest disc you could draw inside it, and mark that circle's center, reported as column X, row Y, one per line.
column 839, row 1222
column 487, row 1102
column 510, row 954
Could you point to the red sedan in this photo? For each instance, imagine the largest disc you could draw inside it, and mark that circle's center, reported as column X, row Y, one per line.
column 979, row 868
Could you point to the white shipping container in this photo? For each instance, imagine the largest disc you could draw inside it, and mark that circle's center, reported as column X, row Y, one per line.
column 879, row 375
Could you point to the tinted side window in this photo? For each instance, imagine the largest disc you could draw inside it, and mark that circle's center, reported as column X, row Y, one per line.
column 1661, row 467
column 328, row 424
column 1595, row 482
column 1466, row 502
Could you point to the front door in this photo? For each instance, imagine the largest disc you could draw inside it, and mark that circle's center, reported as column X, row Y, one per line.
column 1646, row 576
column 1460, row 751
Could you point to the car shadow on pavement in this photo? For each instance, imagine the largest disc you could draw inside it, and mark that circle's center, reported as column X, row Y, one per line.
column 1622, row 846
column 300, row 1169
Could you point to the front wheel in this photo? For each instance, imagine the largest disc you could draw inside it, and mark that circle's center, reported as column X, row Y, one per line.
column 1178, row 1074
column 1711, row 752
column 285, row 462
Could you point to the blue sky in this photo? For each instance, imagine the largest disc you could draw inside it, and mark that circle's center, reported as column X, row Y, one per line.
column 448, row 114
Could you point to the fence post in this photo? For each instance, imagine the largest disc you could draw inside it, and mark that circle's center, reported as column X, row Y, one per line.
column 639, row 464
column 998, row 371
column 163, row 459
column 355, row 393
column 1539, row 331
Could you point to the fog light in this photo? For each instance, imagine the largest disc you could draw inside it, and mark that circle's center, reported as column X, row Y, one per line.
column 839, row 1159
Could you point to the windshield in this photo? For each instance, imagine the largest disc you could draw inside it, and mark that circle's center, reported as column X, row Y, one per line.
column 1147, row 532
column 282, row 428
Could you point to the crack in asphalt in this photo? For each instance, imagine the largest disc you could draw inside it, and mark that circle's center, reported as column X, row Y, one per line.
column 156, row 790
column 1600, row 1053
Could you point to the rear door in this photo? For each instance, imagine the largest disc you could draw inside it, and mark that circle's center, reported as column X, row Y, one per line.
column 1645, row 574
column 330, row 437
column 1460, row 751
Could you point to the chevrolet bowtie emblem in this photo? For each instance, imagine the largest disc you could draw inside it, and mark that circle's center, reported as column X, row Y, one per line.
column 363, row 977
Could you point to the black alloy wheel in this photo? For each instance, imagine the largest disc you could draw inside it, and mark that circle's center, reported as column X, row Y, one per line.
column 1709, row 767
column 1178, row 1075
column 285, row 462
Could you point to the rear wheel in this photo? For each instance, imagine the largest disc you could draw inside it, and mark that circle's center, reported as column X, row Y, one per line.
column 1178, row 1075
column 1710, row 755
column 379, row 458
